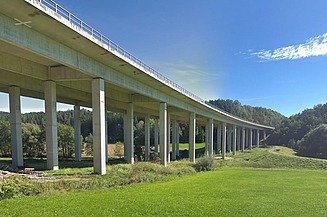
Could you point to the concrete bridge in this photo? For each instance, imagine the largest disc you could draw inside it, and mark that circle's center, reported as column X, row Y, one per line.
column 48, row 53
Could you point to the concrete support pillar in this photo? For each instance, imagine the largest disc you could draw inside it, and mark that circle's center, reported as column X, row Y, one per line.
column 247, row 138
column 218, row 148
column 234, row 139
column 130, row 133
column 163, row 132
column 206, row 139
column 250, row 138
column 210, row 134
column 229, row 140
column 173, row 153
column 51, row 124
column 258, row 138
column 238, row 142
column 177, row 139
column 168, row 137
column 147, row 137
column 192, row 126
column 106, row 136
column 99, row 128
column 16, row 126
column 125, row 136
column 156, row 136
column 243, row 140
column 223, row 146
column 77, row 133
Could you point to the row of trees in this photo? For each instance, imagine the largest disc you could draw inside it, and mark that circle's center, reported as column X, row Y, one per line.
column 296, row 132
column 33, row 137
column 34, row 133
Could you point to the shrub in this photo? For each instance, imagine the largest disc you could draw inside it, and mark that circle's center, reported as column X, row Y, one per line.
column 314, row 143
column 17, row 186
column 204, row 164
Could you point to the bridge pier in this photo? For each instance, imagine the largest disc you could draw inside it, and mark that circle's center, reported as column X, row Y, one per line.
column 210, row 134
column 99, row 109
column 218, row 147
column 258, row 138
column 229, row 140
column 106, row 135
column 192, row 128
column 168, row 136
column 77, row 132
column 51, row 125
column 125, row 135
column 156, row 136
column 16, row 127
column 147, row 136
column 250, row 139
column 129, row 133
column 224, row 137
column 174, row 140
column 177, row 138
column 163, row 132
column 243, row 140
column 234, row 139
column 206, row 139
column 238, row 143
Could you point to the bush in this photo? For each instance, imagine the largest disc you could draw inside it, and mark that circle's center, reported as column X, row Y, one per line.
column 204, row 164
column 314, row 143
column 17, row 186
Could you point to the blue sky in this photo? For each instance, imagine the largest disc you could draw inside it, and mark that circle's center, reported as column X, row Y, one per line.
column 263, row 53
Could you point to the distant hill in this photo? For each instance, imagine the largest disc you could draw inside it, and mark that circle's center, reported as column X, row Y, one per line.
column 258, row 115
column 297, row 126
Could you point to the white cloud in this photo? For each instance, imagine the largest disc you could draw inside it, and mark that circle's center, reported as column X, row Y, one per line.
column 315, row 46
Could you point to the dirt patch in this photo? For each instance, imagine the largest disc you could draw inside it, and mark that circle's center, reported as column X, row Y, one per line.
column 7, row 171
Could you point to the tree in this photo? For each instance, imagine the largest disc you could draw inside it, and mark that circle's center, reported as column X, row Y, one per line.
column 32, row 145
column 5, row 146
column 65, row 140
column 314, row 143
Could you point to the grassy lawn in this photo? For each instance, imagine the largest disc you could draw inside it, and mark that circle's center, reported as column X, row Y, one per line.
column 225, row 192
column 185, row 146
column 262, row 182
column 273, row 157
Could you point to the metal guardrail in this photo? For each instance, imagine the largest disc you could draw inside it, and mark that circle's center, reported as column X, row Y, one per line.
column 79, row 24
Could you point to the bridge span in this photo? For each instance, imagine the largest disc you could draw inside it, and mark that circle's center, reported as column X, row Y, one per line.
column 48, row 53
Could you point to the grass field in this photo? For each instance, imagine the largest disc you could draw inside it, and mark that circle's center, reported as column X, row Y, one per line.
column 262, row 182
column 185, row 146
column 225, row 192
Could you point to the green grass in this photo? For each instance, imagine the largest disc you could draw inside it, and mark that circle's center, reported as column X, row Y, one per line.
column 262, row 182
column 273, row 157
column 185, row 146
column 226, row 192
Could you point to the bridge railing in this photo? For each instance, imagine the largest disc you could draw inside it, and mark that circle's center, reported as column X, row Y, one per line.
column 79, row 24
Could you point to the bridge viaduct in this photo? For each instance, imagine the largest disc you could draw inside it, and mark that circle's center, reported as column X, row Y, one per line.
column 48, row 53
